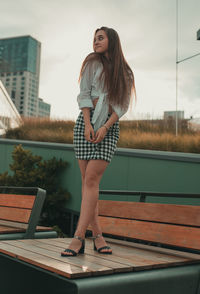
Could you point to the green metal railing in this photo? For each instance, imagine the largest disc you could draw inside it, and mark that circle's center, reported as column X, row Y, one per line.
column 143, row 194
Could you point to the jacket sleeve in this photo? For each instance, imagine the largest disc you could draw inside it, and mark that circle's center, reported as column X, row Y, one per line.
column 84, row 97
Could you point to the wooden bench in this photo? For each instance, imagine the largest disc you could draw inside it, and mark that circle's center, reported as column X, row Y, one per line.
column 132, row 268
column 168, row 225
column 20, row 209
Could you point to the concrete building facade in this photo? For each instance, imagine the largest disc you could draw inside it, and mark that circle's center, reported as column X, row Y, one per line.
column 20, row 72
column 43, row 108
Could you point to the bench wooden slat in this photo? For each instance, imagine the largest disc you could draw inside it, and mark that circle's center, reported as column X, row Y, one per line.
column 91, row 258
column 13, row 200
column 13, row 224
column 21, row 226
column 94, row 263
column 133, row 257
column 187, row 237
column 43, row 229
column 9, row 230
column 127, row 258
column 45, row 254
column 20, row 213
column 89, row 263
column 50, row 264
column 165, row 213
column 150, row 248
column 15, row 214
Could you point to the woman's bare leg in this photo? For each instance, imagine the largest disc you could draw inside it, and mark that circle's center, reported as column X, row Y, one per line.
column 96, row 229
column 93, row 174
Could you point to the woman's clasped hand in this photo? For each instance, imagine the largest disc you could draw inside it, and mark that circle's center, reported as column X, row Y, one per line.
column 89, row 133
column 93, row 137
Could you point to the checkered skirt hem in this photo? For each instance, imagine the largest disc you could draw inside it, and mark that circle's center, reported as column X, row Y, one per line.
column 87, row 150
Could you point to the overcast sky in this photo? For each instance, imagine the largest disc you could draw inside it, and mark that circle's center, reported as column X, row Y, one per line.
column 147, row 29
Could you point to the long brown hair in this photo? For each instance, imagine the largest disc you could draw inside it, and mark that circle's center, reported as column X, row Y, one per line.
column 119, row 78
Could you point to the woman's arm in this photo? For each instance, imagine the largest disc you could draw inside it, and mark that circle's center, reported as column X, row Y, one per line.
column 86, row 115
column 101, row 132
column 114, row 117
column 89, row 131
column 84, row 98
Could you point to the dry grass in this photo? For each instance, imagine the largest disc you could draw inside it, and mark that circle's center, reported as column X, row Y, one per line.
column 164, row 141
column 44, row 130
column 147, row 134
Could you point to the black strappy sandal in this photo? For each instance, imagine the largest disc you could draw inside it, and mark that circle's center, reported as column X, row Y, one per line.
column 74, row 253
column 99, row 250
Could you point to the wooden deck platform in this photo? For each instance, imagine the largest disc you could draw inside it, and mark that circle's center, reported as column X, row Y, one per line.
column 126, row 257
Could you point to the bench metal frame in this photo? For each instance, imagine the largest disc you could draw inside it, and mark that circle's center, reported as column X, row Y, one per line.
column 144, row 194
column 35, row 212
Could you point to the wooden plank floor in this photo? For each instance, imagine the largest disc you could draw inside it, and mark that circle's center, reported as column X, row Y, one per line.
column 126, row 257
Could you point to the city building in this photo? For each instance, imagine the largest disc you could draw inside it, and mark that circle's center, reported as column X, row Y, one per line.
column 43, row 108
column 20, row 72
column 172, row 114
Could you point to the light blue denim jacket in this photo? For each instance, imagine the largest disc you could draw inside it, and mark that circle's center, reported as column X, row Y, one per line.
column 91, row 88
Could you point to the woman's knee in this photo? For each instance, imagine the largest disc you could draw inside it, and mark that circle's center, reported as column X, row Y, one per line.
column 91, row 179
column 94, row 172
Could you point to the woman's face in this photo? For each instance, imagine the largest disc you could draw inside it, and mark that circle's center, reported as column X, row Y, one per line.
column 100, row 44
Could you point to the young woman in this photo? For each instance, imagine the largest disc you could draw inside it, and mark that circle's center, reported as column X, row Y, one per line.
column 106, row 87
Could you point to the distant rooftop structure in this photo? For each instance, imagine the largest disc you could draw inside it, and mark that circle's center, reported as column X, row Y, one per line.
column 172, row 114
column 43, row 108
column 194, row 124
column 198, row 34
column 9, row 116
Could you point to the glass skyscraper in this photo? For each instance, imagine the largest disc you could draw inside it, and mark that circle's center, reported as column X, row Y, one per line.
column 20, row 72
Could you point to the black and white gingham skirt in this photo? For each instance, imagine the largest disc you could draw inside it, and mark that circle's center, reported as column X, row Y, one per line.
column 88, row 150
